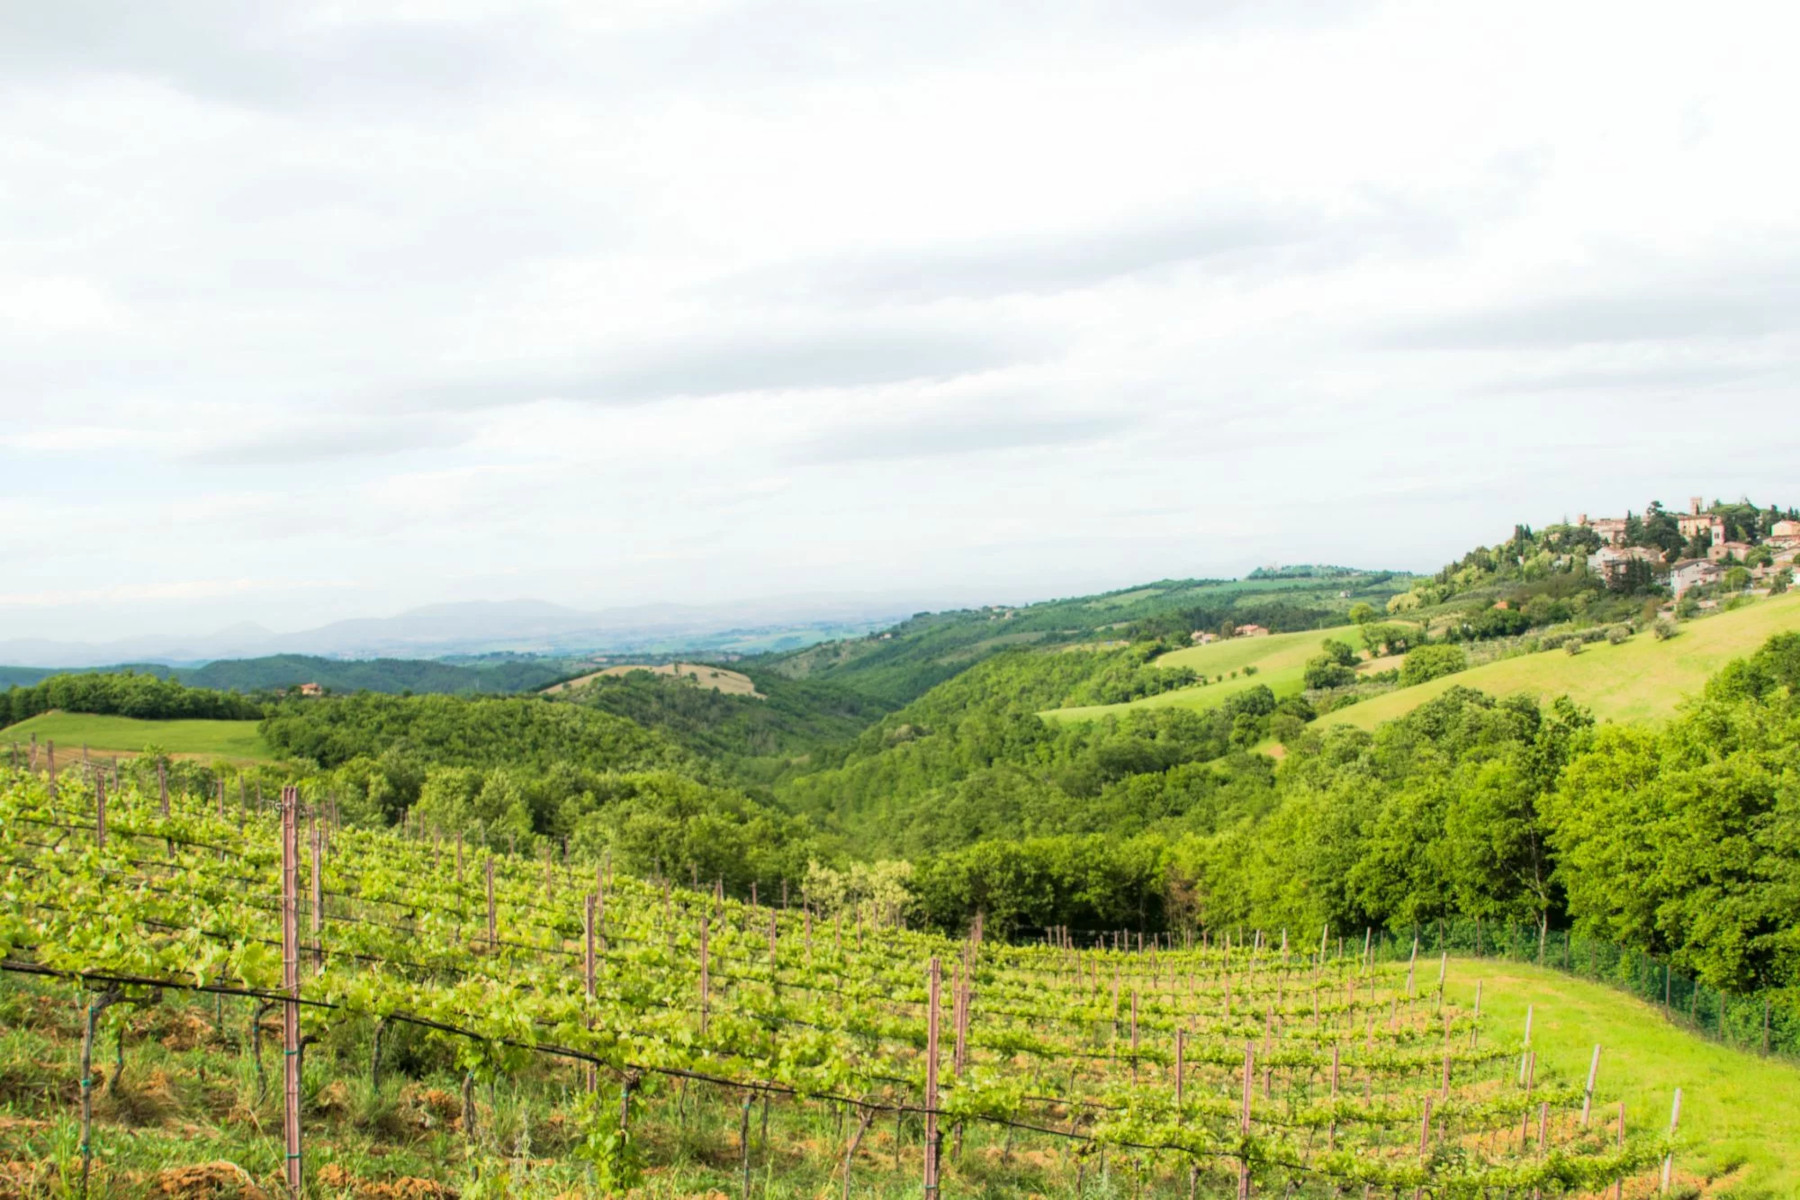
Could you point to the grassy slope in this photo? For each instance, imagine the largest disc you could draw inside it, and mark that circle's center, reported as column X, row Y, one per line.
column 1641, row 680
column 1280, row 661
column 1736, row 1108
column 236, row 740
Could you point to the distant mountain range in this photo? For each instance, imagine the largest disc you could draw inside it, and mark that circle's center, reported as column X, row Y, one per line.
column 480, row 627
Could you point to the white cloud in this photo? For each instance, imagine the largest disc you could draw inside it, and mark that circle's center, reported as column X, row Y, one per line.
column 722, row 298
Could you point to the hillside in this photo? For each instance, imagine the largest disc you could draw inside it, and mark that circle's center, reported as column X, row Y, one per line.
column 1277, row 662
column 900, row 664
column 1642, row 679
column 279, row 672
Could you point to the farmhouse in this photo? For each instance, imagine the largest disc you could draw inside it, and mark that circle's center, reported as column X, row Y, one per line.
column 311, row 689
column 1720, row 550
column 1251, row 631
column 1693, row 572
column 1203, row 637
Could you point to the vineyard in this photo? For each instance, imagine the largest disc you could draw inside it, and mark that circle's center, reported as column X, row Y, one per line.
column 772, row 1048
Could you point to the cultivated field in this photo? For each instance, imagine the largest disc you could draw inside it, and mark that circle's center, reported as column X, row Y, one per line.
column 1640, row 680
column 236, row 741
column 732, row 683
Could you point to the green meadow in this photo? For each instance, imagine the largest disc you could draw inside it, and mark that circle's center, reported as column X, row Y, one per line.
column 1279, row 659
column 1639, row 680
column 238, row 741
column 1642, row 679
column 1740, row 1112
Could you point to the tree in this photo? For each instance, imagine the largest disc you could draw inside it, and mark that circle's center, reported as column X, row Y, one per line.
column 1424, row 663
column 1737, row 579
column 1361, row 613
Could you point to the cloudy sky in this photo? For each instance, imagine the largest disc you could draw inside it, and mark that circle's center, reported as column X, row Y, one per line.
column 313, row 311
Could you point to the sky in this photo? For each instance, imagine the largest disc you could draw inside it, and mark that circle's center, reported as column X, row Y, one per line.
column 320, row 311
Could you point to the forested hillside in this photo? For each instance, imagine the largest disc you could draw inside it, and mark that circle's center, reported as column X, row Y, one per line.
column 897, row 666
column 793, row 722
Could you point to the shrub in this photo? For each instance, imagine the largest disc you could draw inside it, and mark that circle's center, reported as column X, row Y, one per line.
column 1573, row 645
column 1431, row 662
column 1664, row 629
column 1618, row 634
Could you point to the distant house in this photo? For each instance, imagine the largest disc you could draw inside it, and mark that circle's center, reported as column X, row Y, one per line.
column 1785, row 534
column 1203, row 637
column 1251, row 631
column 1609, row 562
column 1718, row 551
column 311, row 689
column 1610, row 529
column 1694, row 521
column 1692, row 573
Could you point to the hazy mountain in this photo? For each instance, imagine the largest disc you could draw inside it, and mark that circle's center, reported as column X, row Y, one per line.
column 474, row 627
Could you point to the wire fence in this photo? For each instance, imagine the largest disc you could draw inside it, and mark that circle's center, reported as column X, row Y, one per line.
column 1757, row 1022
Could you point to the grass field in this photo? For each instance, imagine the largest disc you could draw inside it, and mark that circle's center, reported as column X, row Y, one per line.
column 1280, row 661
column 1740, row 1112
column 238, row 741
column 1640, row 680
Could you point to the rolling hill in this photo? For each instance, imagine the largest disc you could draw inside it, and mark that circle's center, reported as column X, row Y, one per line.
column 1639, row 680
column 1279, row 661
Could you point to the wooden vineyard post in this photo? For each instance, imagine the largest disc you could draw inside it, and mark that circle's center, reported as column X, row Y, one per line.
column 1587, row 1097
column 930, row 1168
column 1619, row 1183
column 290, row 984
column 549, row 885
column 221, row 797
column 51, row 749
column 705, row 971
column 1134, row 1035
column 1668, row 1171
column 100, row 813
column 493, row 928
column 1331, row 1128
column 1425, row 1130
column 318, row 897
column 162, row 786
column 1243, row 1189
column 1525, row 1050
column 97, row 1006
column 588, row 927
column 1180, row 1068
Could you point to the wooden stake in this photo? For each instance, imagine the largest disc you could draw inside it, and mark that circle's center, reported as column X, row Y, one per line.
column 493, row 928
column 1619, row 1183
column 589, row 925
column 318, row 897
column 1243, row 1189
column 1181, row 1060
column 930, row 1170
column 1525, row 1050
column 705, row 971
column 290, row 982
column 1668, row 1171
column 1587, row 1097
column 162, row 780
column 100, row 813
